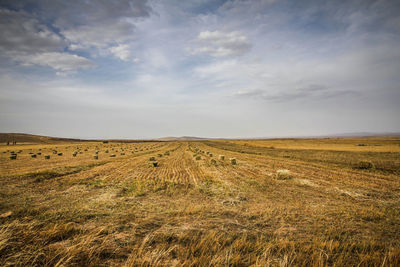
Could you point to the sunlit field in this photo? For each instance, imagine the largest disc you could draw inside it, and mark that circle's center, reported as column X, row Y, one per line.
column 278, row 202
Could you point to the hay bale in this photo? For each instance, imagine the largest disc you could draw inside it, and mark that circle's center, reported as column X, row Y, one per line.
column 33, row 155
column 213, row 162
column 96, row 157
column 113, row 156
column 211, row 154
column 365, row 165
column 153, row 164
column 14, row 156
column 39, row 153
column 159, row 155
column 152, row 158
column 47, row 157
column 233, row 161
column 55, row 152
column 59, row 154
column 166, row 153
column 283, row 174
column 221, row 157
column 198, row 157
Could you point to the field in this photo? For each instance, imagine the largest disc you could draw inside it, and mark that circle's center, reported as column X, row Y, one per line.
column 286, row 202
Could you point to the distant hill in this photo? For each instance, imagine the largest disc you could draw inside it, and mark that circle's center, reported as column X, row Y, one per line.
column 182, row 138
column 31, row 138
column 39, row 139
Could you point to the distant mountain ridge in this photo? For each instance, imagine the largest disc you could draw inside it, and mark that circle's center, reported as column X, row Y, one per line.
column 31, row 138
column 182, row 138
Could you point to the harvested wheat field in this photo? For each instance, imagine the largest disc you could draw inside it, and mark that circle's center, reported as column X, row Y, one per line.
column 287, row 202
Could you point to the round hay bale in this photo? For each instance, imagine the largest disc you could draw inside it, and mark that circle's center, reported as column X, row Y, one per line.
column 96, row 157
column 47, row 157
column 33, row 156
column 152, row 158
column 213, row 162
column 233, row 161
column 221, row 157
column 198, row 157
column 283, row 174
column 12, row 157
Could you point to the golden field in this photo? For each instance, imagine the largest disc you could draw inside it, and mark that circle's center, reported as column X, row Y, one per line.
column 286, row 202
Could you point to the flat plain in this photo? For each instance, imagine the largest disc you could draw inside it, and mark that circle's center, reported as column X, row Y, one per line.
column 277, row 202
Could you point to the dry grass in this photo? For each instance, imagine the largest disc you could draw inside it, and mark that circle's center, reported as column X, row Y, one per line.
column 193, row 210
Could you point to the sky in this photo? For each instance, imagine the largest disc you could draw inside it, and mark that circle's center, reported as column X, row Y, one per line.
column 249, row 68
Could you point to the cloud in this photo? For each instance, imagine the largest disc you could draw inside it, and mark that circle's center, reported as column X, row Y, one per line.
column 78, row 12
column 99, row 28
column 22, row 33
column 221, row 44
column 26, row 41
column 103, row 39
column 58, row 61
column 122, row 52
column 102, row 27
column 311, row 92
column 99, row 35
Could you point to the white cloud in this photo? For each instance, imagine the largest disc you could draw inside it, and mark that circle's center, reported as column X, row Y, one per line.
column 100, row 35
column 121, row 51
column 221, row 44
column 59, row 61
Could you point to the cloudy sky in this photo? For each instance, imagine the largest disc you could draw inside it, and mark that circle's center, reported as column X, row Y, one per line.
column 145, row 69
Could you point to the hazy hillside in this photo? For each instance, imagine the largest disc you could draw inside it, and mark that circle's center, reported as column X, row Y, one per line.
column 30, row 138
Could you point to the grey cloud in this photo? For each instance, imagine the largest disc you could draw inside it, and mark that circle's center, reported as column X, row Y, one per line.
column 99, row 27
column 66, row 13
column 26, row 41
column 99, row 36
column 21, row 33
column 221, row 44
column 312, row 92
